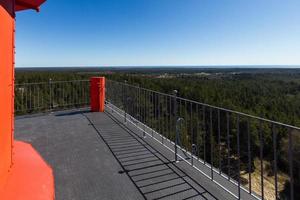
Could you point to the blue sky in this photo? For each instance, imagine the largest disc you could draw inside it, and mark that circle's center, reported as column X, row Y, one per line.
column 159, row 32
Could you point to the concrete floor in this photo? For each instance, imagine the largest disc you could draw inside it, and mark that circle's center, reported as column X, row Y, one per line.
column 95, row 156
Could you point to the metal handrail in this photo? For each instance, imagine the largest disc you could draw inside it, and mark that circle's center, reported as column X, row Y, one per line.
column 51, row 95
column 212, row 106
column 222, row 130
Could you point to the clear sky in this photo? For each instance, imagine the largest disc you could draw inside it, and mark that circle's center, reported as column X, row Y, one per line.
column 159, row 32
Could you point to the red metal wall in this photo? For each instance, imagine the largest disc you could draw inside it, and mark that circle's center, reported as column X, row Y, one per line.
column 6, row 86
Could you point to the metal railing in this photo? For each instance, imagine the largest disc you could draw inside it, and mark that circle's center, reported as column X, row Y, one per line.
column 51, row 95
column 258, row 156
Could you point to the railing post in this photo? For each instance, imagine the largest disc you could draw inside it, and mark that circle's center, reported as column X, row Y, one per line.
column 125, row 101
column 176, row 125
column 50, row 94
column 139, row 106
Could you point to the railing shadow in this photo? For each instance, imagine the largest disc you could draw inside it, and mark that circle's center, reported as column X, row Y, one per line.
column 155, row 176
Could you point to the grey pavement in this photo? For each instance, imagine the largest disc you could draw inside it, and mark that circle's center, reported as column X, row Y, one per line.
column 97, row 156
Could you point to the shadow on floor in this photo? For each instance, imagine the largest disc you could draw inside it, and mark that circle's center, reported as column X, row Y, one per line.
column 72, row 113
column 155, row 176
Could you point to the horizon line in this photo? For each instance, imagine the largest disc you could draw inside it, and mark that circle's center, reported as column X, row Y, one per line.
column 170, row 66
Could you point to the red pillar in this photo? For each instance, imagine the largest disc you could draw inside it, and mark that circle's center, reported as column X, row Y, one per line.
column 97, row 94
column 24, row 174
column 7, row 25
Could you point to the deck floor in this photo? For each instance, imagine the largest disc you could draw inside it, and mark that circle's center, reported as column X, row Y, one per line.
column 95, row 156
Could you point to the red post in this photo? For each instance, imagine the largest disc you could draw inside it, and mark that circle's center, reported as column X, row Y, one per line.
column 97, row 94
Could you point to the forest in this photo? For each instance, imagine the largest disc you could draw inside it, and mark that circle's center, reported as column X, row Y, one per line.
column 272, row 94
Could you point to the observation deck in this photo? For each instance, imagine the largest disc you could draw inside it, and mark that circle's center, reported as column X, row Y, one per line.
column 151, row 145
column 95, row 156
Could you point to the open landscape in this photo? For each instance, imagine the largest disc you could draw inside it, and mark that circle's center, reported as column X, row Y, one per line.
column 149, row 100
column 268, row 93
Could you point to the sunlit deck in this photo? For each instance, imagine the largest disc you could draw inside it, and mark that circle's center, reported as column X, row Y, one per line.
column 94, row 156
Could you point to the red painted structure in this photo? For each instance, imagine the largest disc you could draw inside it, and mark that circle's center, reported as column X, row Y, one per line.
column 23, row 173
column 97, row 93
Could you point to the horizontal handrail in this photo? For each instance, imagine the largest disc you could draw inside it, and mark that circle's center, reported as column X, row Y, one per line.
column 212, row 106
column 227, row 140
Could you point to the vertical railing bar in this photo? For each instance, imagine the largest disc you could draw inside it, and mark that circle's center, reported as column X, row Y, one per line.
column 291, row 165
column 133, row 102
column 63, row 96
column 148, row 106
column 219, row 141
column 34, row 96
column 136, row 103
column 192, row 134
column 170, row 117
column 153, row 113
column 239, row 156
column 139, row 104
column 50, row 94
column 145, row 104
column 38, row 94
column 125, row 102
column 159, row 115
column 162, row 118
column 175, row 122
column 186, row 126
column 261, row 159
column 142, row 105
column 211, row 144
column 43, row 95
column 180, row 111
column 22, row 96
column 249, row 156
column 197, row 130
column 30, row 106
column 204, row 134
column 74, row 94
column 275, row 160
column 81, row 93
column 228, row 144
column 166, row 124
column 156, row 113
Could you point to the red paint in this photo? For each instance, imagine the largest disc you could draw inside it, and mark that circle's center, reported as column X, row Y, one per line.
column 23, row 173
column 97, row 94
column 28, row 4
column 7, row 24
column 30, row 178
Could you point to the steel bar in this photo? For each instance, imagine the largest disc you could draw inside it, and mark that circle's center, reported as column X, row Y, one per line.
column 249, row 156
column 291, row 165
column 211, row 144
column 219, row 141
column 228, row 144
column 275, row 160
column 261, row 160
column 238, row 156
